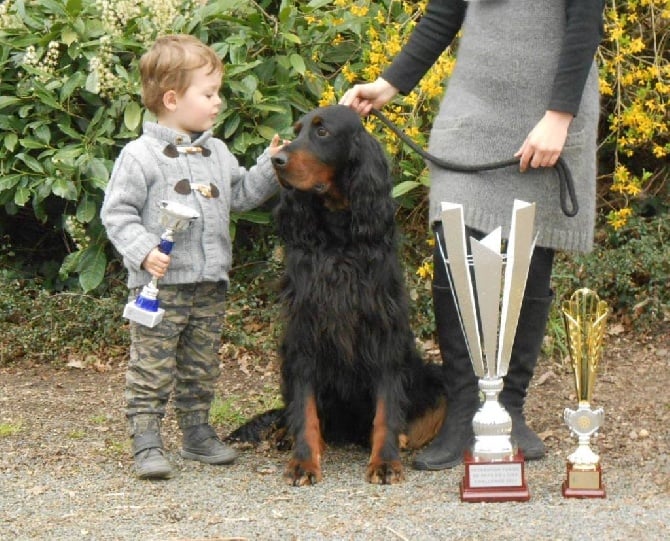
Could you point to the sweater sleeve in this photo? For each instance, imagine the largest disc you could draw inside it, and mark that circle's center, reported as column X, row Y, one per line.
column 252, row 187
column 432, row 35
column 583, row 33
column 121, row 210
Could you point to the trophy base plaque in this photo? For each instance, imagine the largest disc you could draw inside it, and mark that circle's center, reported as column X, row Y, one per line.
column 495, row 481
column 583, row 483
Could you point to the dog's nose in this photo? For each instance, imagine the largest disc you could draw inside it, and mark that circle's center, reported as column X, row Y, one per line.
column 280, row 160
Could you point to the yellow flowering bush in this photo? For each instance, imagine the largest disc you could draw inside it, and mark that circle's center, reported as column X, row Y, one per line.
column 634, row 83
column 635, row 88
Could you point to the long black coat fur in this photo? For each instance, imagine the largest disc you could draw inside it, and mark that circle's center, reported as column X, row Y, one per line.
column 347, row 342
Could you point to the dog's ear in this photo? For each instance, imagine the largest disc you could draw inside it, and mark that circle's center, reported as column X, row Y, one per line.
column 370, row 185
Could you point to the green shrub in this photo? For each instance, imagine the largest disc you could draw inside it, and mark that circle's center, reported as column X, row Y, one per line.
column 629, row 269
column 39, row 326
column 69, row 96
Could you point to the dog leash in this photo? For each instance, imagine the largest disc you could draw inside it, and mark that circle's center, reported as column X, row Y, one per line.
column 568, row 197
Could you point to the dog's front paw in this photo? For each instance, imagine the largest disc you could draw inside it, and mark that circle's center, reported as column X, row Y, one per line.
column 385, row 473
column 302, row 473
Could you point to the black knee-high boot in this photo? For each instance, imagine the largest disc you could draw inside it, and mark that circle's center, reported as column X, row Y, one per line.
column 455, row 436
column 526, row 349
column 525, row 353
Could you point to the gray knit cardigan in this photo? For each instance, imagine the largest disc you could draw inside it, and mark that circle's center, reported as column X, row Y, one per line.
column 501, row 86
column 146, row 173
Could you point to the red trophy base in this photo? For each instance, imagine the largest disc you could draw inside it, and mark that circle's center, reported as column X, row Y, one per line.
column 497, row 481
column 583, row 483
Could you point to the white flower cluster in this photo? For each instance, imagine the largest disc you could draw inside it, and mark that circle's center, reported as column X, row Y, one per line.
column 50, row 60
column 8, row 18
column 164, row 13
column 106, row 80
column 30, row 56
column 115, row 14
column 47, row 64
column 77, row 232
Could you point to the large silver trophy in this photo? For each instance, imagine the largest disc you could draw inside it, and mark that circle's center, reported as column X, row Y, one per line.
column 488, row 288
column 145, row 308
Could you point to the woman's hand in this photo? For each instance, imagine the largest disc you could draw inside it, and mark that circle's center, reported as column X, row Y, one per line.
column 545, row 141
column 361, row 98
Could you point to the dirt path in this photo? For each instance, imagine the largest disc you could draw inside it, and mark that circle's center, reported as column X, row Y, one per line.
column 65, row 469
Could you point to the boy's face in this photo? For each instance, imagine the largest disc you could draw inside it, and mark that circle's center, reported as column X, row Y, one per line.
column 197, row 108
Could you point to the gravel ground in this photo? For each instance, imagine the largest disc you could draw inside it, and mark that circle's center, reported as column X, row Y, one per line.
column 66, row 471
column 249, row 501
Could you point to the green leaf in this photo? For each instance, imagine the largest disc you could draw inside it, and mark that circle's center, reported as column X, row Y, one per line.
column 67, row 130
column 73, row 7
column 267, row 132
column 298, row 63
column 405, row 187
column 292, row 38
column 316, row 4
column 31, row 162
column 98, row 172
column 132, row 116
column 30, row 143
column 230, row 126
column 48, row 99
column 92, row 268
column 254, row 216
column 6, row 101
column 43, row 133
column 69, row 36
column 73, row 82
column 21, row 196
column 69, row 264
column 86, row 210
column 10, row 141
column 9, row 181
column 65, row 189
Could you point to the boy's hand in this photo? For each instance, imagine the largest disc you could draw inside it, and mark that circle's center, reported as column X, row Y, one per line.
column 156, row 263
column 277, row 144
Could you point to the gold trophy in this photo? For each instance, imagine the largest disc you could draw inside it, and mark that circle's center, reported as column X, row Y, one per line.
column 584, row 316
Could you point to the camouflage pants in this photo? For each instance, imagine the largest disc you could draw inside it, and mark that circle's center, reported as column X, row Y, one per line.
column 179, row 356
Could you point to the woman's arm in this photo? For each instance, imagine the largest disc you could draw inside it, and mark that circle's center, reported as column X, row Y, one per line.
column 583, row 33
column 431, row 36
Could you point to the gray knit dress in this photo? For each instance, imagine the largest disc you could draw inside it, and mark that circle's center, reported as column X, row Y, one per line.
column 500, row 88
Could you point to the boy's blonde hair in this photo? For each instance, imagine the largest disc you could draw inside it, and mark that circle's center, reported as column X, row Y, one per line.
column 169, row 64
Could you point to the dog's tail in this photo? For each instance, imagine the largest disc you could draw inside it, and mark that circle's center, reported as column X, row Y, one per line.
column 267, row 426
column 428, row 406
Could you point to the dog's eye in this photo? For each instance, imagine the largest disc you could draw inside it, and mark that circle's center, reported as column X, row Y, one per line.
column 321, row 131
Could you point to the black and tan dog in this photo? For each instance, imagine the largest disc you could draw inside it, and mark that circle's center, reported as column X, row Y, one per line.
column 350, row 369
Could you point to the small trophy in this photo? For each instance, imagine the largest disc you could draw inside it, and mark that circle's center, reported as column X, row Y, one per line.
column 145, row 309
column 584, row 316
column 489, row 311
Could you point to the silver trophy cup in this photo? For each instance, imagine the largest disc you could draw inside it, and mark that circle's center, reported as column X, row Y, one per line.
column 488, row 288
column 145, row 310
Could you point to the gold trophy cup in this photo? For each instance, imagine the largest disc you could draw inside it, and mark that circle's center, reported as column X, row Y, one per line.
column 584, row 316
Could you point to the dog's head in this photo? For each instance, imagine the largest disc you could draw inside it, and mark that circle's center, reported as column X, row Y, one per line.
column 328, row 155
